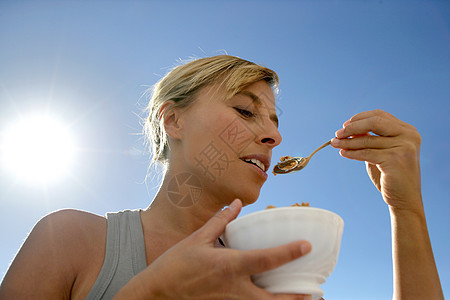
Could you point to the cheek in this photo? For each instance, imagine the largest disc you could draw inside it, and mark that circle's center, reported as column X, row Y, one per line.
column 217, row 145
column 202, row 142
column 236, row 135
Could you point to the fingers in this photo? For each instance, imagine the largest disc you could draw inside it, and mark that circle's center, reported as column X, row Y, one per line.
column 254, row 292
column 257, row 261
column 372, row 156
column 292, row 297
column 377, row 124
column 377, row 112
column 216, row 225
column 363, row 142
column 377, row 121
column 396, row 137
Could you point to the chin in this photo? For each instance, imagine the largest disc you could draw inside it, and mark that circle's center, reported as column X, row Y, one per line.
column 248, row 196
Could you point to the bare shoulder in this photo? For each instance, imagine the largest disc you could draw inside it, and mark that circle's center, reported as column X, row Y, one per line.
column 70, row 217
column 70, row 224
column 55, row 254
column 69, row 229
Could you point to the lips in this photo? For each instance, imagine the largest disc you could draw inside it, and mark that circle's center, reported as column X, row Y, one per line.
column 259, row 160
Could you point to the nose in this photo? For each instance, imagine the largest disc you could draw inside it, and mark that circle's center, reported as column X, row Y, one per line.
column 270, row 135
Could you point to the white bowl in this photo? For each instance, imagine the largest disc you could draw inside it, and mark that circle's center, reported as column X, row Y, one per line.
column 278, row 226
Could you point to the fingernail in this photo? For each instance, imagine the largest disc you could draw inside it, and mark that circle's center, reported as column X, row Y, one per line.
column 339, row 132
column 334, row 141
column 233, row 204
column 305, row 247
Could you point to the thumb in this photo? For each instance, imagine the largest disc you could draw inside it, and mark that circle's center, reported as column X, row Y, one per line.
column 216, row 225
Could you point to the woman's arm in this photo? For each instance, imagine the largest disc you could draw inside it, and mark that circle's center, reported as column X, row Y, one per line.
column 415, row 273
column 393, row 164
column 48, row 264
column 39, row 270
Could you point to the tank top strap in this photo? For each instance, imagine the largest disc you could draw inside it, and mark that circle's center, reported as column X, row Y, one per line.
column 125, row 254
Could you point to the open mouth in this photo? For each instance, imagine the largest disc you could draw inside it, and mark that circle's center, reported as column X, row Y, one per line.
column 255, row 162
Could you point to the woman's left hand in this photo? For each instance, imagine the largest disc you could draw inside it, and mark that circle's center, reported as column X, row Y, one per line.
column 392, row 155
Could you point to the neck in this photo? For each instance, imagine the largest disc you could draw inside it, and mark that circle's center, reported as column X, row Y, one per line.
column 177, row 210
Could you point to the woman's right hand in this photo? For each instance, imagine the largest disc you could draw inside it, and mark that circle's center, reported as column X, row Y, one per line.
column 195, row 269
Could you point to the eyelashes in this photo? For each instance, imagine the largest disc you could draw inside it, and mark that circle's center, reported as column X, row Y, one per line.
column 245, row 113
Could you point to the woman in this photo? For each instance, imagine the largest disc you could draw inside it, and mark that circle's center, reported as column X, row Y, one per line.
column 212, row 123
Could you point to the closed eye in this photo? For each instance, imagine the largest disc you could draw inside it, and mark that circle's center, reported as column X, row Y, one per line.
column 245, row 113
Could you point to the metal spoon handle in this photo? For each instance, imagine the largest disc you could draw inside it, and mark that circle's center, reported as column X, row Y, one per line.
column 323, row 146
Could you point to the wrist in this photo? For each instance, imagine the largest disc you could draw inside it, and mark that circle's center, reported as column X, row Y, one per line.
column 411, row 213
column 407, row 206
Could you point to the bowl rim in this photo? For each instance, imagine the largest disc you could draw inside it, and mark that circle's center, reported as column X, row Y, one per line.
column 288, row 208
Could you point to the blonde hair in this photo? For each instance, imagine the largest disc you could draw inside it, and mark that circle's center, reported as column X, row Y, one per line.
column 181, row 84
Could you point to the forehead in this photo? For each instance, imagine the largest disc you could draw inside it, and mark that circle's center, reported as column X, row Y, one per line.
column 260, row 93
column 262, row 90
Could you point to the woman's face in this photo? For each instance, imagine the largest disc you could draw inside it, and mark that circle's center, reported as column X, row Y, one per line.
column 228, row 144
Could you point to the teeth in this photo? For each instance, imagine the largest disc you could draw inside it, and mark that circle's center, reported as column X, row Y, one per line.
column 258, row 163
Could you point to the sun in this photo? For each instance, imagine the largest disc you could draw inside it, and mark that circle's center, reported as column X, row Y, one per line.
column 37, row 149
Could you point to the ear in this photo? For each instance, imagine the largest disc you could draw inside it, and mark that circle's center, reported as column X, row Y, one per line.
column 171, row 119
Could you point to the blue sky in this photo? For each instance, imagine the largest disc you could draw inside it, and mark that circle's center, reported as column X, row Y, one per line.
column 88, row 63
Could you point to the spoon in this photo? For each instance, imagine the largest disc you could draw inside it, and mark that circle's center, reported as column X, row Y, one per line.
column 290, row 164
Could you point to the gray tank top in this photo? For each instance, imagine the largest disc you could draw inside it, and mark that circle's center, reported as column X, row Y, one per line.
column 125, row 254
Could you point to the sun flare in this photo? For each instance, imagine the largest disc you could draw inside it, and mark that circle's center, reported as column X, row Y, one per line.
column 37, row 149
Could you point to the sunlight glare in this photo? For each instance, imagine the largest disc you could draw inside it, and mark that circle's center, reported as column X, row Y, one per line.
column 38, row 149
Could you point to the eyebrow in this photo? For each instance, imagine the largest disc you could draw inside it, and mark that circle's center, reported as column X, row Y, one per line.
column 258, row 102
